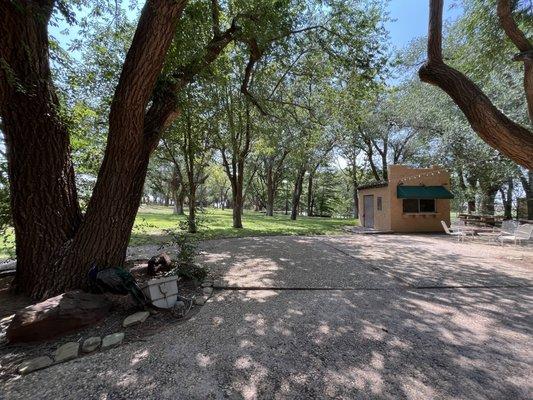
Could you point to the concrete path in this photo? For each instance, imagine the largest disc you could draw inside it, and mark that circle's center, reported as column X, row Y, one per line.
column 397, row 326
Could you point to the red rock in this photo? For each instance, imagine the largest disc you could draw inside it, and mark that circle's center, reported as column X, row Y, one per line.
column 56, row 316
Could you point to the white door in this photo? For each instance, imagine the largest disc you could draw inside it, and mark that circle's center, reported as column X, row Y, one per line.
column 368, row 220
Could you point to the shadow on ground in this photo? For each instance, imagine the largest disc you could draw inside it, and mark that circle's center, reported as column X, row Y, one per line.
column 392, row 339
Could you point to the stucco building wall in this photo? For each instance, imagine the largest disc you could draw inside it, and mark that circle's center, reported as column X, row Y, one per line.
column 381, row 218
column 392, row 216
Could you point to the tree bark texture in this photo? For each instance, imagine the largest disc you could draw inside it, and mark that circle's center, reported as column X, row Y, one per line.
column 43, row 192
column 178, row 191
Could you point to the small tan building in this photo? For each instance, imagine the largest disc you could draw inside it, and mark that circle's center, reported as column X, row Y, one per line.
column 412, row 200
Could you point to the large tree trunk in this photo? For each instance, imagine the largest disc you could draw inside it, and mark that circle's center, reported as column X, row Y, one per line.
column 54, row 247
column 486, row 120
column 103, row 237
column 296, row 194
column 43, row 192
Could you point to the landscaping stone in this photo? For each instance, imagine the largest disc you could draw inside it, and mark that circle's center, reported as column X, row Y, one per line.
column 91, row 344
column 56, row 316
column 66, row 352
column 112, row 340
column 136, row 318
column 208, row 291
column 207, row 283
column 199, row 301
column 34, row 364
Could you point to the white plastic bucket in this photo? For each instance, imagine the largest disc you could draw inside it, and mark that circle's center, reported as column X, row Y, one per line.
column 162, row 292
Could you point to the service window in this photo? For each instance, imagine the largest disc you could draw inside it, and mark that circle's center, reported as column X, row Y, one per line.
column 380, row 204
column 427, row 205
column 419, row 206
column 410, row 205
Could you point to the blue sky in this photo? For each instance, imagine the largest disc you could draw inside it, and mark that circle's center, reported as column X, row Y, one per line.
column 411, row 19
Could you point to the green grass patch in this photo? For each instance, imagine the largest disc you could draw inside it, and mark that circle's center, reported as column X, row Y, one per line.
column 151, row 223
column 7, row 244
column 215, row 224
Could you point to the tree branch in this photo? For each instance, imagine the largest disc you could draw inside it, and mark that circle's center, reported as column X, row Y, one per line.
column 491, row 125
column 510, row 27
column 435, row 31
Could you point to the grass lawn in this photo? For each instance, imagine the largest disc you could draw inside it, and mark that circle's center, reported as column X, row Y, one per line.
column 214, row 223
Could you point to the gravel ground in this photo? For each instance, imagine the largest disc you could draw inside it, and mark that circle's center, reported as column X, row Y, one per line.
column 396, row 331
column 366, row 261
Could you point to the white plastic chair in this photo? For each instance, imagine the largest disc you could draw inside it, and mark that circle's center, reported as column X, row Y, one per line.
column 508, row 227
column 458, row 222
column 523, row 232
column 460, row 235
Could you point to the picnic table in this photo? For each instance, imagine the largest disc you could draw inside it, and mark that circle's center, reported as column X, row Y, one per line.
column 480, row 230
column 483, row 220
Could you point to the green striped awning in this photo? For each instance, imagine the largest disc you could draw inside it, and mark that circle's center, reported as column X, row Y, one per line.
column 423, row 192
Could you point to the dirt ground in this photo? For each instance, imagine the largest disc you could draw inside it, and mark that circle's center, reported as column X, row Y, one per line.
column 351, row 317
